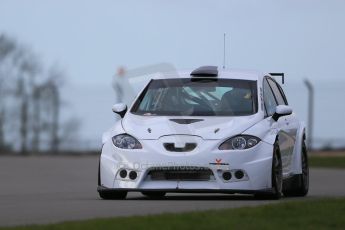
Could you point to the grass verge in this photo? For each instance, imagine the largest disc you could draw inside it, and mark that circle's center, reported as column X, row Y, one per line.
column 327, row 161
column 310, row 214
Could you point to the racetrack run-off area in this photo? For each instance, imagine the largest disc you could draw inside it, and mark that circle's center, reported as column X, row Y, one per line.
column 49, row 189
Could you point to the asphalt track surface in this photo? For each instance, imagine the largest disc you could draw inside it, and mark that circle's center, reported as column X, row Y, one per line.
column 41, row 190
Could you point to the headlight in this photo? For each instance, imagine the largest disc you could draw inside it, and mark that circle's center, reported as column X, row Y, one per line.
column 239, row 142
column 125, row 141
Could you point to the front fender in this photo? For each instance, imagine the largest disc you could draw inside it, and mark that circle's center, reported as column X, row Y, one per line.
column 107, row 165
column 116, row 129
column 297, row 152
column 266, row 129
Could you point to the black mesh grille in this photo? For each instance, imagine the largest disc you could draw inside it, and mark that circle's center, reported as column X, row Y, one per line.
column 197, row 174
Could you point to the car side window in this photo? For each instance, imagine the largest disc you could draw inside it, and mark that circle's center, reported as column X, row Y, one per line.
column 269, row 100
column 278, row 95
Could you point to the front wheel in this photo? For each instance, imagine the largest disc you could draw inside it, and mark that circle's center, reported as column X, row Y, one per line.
column 276, row 176
column 299, row 184
column 107, row 195
column 154, row 194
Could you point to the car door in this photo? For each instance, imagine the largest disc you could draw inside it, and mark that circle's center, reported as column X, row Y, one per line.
column 288, row 124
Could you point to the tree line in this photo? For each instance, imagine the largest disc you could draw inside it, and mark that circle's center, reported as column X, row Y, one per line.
column 30, row 101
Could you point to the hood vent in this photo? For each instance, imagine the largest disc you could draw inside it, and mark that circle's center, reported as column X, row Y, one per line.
column 185, row 121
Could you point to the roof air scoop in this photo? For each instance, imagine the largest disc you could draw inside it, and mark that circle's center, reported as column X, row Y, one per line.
column 205, row 71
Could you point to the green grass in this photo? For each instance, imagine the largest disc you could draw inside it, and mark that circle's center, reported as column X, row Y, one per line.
column 310, row 214
column 327, row 162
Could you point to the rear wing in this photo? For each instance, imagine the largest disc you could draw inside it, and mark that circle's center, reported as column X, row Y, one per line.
column 278, row 75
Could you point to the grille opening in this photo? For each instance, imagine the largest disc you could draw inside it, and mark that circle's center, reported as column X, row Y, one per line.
column 171, row 147
column 181, row 174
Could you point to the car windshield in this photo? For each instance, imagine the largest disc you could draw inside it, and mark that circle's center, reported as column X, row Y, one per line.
column 197, row 97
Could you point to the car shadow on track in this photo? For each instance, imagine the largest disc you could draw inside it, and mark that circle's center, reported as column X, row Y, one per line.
column 210, row 197
column 196, row 197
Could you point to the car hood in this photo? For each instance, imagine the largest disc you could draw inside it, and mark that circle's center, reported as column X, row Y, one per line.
column 211, row 128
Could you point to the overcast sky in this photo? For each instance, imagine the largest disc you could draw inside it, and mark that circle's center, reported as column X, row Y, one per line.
column 90, row 39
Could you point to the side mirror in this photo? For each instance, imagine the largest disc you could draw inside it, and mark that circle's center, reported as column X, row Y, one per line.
column 281, row 110
column 120, row 109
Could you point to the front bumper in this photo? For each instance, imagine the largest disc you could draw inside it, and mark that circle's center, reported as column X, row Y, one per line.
column 256, row 164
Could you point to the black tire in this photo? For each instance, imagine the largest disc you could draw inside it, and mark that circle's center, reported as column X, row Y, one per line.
column 277, row 177
column 106, row 195
column 109, row 195
column 154, row 195
column 298, row 185
column 99, row 173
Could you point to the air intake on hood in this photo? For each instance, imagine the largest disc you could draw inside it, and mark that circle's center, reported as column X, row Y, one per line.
column 185, row 121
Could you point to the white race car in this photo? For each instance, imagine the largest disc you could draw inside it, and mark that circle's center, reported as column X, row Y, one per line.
column 207, row 131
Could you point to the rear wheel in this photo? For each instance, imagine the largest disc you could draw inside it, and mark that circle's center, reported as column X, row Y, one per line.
column 299, row 184
column 277, row 176
column 154, row 195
